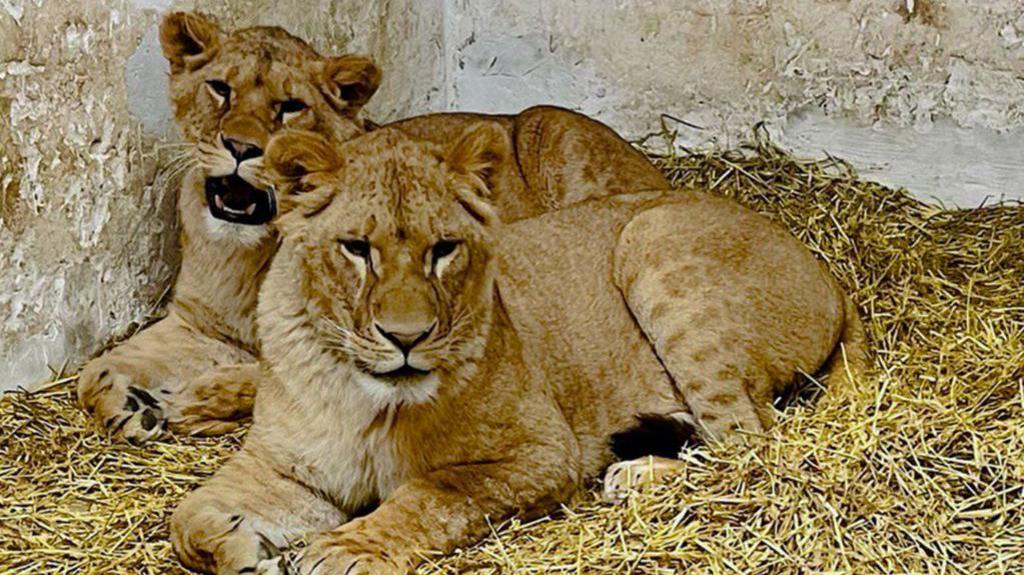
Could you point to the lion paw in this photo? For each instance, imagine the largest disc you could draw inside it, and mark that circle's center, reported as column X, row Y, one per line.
column 141, row 418
column 123, row 408
column 331, row 558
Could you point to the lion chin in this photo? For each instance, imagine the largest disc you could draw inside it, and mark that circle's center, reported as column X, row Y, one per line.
column 245, row 235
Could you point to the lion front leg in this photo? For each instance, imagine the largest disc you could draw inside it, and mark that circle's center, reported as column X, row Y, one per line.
column 441, row 511
column 134, row 389
column 243, row 518
column 217, row 402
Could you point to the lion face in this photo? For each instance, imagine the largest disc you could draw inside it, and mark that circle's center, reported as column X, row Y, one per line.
column 231, row 92
column 392, row 239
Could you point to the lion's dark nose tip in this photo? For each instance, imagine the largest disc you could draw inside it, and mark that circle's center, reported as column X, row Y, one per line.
column 240, row 150
column 405, row 338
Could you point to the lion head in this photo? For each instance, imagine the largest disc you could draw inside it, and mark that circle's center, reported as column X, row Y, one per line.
column 392, row 239
column 232, row 91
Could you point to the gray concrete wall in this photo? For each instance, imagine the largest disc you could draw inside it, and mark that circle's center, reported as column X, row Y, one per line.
column 918, row 93
column 86, row 221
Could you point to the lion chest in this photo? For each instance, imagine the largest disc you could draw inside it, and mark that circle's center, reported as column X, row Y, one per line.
column 350, row 463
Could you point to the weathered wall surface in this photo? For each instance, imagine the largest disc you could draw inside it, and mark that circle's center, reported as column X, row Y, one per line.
column 920, row 93
column 924, row 93
column 86, row 227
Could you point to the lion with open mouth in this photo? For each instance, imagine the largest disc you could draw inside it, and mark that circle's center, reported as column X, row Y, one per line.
column 230, row 92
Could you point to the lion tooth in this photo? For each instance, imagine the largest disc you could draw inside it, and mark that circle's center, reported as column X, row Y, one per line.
column 251, row 209
column 219, row 201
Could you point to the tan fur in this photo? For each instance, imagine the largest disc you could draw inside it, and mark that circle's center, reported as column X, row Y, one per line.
column 545, row 337
column 560, row 158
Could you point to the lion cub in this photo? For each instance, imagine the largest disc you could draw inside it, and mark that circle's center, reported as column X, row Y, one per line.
column 424, row 358
column 230, row 91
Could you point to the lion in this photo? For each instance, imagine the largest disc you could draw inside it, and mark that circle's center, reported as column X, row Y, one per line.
column 229, row 92
column 423, row 359
column 191, row 372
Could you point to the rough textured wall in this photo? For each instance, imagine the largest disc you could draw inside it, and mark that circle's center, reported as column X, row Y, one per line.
column 86, row 227
column 925, row 93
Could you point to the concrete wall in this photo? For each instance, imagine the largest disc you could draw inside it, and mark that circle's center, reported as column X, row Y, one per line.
column 86, row 221
column 923, row 94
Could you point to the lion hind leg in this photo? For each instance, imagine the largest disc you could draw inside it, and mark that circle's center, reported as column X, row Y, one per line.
column 682, row 303
column 244, row 518
column 724, row 390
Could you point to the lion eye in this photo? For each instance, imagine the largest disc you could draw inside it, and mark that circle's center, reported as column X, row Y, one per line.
column 219, row 88
column 289, row 108
column 443, row 249
column 356, row 248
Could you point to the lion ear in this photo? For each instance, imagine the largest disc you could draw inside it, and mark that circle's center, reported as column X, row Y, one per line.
column 293, row 154
column 350, row 81
column 474, row 160
column 188, row 40
column 290, row 157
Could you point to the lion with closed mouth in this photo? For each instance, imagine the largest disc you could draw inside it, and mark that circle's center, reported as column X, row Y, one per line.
column 424, row 358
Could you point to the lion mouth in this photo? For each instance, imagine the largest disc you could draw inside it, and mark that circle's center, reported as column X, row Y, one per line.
column 401, row 375
column 232, row 199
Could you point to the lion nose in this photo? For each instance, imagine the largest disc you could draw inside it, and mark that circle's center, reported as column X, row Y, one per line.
column 405, row 337
column 240, row 150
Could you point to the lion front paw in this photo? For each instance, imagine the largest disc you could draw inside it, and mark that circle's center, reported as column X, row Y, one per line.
column 332, row 557
column 120, row 404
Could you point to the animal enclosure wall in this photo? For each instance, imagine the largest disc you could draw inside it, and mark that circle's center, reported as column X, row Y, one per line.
column 922, row 94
